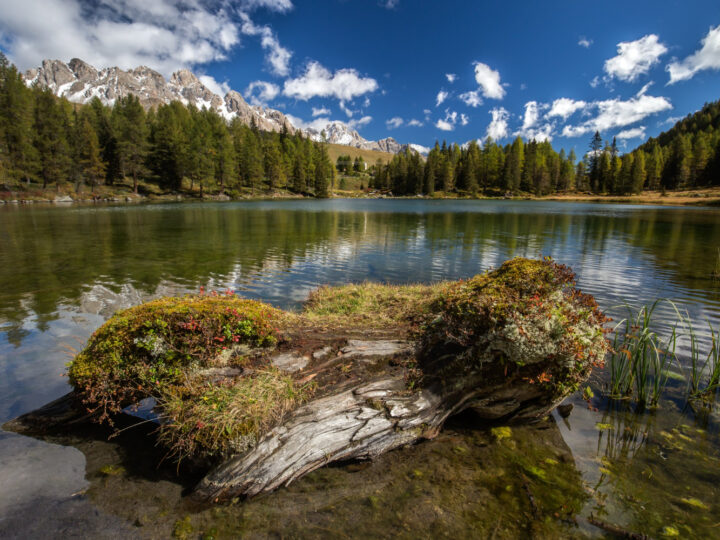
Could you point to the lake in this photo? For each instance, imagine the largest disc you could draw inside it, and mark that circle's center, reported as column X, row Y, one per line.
column 64, row 270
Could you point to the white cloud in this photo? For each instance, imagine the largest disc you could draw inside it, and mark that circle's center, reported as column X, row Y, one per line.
column 395, row 122
column 616, row 113
column 415, row 123
column 635, row 58
column 260, row 93
column 451, row 77
column 165, row 35
column 707, row 57
column 322, row 111
column 281, row 6
column 317, row 124
column 389, row 4
column 532, row 114
column 529, row 128
column 489, row 81
column 585, row 42
column 464, row 120
column 441, row 96
column 448, row 123
column 365, row 120
column 498, row 128
column 317, row 81
column 215, row 87
column 595, row 81
column 671, row 120
column 471, row 98
column 633, row 133
column 348, row 112
column 277, row 56
column 565, row 107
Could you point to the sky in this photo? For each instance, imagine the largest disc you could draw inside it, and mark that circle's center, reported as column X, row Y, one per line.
column 418, row 71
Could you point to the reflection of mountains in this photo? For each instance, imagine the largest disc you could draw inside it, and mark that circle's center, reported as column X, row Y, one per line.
column 49, row 255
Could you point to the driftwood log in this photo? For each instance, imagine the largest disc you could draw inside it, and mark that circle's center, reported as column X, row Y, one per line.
column 510, row 345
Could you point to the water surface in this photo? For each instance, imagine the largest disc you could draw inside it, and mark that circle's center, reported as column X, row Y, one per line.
column 63, row 271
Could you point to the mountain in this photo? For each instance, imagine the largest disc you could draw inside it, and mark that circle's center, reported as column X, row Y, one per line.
column 80, row 82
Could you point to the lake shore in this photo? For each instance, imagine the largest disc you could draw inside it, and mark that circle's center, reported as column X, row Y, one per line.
column 123, row 193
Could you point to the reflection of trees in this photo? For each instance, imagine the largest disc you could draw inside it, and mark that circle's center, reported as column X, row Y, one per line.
column 50, row 255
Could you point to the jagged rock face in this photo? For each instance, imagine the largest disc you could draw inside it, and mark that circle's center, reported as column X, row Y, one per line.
column 80, row 82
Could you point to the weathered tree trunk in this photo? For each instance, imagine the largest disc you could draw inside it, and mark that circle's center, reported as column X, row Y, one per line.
column 361, row 418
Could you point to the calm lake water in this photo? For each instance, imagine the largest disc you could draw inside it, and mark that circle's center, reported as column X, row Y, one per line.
column 63, row 271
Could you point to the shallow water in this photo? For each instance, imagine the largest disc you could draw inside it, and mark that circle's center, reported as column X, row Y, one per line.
column 65, row 270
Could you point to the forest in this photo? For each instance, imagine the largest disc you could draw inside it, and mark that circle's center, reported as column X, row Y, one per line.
column 50, row 142
column 684, row 157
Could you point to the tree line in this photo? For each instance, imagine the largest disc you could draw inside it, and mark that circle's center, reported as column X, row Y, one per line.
column 48, row 140
column 686, row 156
column 520, row 166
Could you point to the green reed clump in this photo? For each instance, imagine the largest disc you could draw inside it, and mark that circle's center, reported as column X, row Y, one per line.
column 641, row 360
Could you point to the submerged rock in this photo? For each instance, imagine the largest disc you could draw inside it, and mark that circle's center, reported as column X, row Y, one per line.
column 394, row 364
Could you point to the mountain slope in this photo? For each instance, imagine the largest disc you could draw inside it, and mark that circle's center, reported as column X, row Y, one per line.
column 80, row 82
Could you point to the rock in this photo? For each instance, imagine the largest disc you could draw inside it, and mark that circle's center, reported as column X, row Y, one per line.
column 565, row 409
column 290, row 362
column 63, row 199
column 322, row 353
column 366, row 349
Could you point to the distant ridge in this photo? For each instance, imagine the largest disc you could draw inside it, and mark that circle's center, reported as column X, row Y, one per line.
column 80, row 82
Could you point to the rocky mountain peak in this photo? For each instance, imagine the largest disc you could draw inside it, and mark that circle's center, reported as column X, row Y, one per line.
column 81, row 82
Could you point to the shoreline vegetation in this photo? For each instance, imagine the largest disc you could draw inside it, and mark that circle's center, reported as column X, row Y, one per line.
column 122, row 192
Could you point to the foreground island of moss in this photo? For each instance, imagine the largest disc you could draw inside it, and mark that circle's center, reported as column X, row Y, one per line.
column 224, row 371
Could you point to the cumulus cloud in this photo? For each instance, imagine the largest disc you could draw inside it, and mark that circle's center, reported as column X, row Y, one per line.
column 365, row 120
column 489, row 81
column 448, row 123
column 464, row 120
column 616, row 113
column 585, row 42
column 395, row 122
column 317, row 81
column 344, row 108
column 635, row 58
column 441, row 96
column 260, row 93
column 163, row 34
column 281, row 6
column 498, row 128
column 451, row 77
column 530, row 130
column 320, row 111
column 633, row 133
column 707, row 57
column 471, row 98
column 277, row 56
column 415, row 123
column 565, row 107
column 317, row 124
column 219, row 88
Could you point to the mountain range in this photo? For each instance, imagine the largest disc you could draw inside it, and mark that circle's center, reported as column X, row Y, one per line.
column 80, row 82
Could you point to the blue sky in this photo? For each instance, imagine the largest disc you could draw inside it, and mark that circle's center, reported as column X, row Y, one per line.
column 416, row 71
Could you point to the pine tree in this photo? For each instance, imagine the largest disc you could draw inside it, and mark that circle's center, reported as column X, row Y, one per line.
column 132, row 133
column 638, row 172
column 596, row 145
column 93, row 168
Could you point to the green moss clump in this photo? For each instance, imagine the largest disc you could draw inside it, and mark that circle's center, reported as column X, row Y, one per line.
column 142, row 350
column 160, row 349
column 525, row 313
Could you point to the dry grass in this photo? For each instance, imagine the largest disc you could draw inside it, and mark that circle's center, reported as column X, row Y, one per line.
column 697, row 197
column 204, row 418
column 371, row 304
column 370, row 156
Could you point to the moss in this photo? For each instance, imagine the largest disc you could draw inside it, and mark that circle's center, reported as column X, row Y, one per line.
column 159, row 349
column 501, row 432
column 112, row 470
